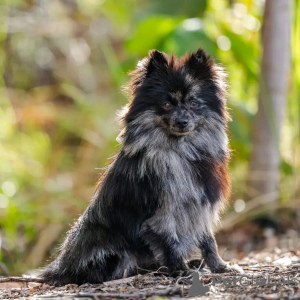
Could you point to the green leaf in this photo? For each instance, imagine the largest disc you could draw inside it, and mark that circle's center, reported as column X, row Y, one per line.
column 150, row 33
column 286, row 168
column 181, row 41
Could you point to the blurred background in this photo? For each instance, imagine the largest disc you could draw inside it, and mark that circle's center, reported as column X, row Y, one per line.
column 62, row 66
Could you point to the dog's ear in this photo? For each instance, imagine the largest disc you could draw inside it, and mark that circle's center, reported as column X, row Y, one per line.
column 157, row 61
column 199, row 57
column 199, row 63
column 202, row 67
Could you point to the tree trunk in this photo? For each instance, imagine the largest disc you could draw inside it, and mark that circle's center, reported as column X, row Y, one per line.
column 264, row 170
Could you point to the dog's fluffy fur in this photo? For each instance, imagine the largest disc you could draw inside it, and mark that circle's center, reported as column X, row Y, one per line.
column 161, row 196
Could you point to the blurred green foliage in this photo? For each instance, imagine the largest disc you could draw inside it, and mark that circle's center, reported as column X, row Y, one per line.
column 63, row 64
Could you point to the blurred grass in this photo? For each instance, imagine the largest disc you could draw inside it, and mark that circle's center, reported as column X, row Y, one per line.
column 63, row 65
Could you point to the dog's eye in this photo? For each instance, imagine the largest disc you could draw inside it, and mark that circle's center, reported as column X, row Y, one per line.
column 167, row 105
column 193, row 104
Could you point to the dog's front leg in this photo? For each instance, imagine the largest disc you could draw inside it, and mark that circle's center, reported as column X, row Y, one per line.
column 173, row 259
column 167, row 252
column 210, row 254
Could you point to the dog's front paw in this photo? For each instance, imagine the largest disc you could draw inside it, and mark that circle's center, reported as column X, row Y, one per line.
column 228, row 268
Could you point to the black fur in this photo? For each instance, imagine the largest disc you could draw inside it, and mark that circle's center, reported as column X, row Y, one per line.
column 161, row 196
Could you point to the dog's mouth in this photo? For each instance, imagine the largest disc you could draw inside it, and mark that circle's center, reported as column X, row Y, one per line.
column 179, row 132
column 175, row 130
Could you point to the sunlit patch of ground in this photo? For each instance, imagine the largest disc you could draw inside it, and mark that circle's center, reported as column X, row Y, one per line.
column 257, row 266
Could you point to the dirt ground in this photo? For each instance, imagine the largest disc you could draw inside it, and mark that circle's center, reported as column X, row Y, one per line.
column 267, row 278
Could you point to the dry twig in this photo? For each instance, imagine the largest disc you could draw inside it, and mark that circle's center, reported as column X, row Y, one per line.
column 20, row 279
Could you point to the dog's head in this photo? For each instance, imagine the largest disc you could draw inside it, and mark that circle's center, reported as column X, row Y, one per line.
column 180, row 98
column 180, row 94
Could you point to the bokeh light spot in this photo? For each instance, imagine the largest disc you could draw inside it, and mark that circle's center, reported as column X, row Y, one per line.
column 239, row 205
column 9, row 188
column 224, row 43
column 193, row 24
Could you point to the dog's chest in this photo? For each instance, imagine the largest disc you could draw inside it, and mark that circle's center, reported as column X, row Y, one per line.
column 183, row 210
column 179, row 177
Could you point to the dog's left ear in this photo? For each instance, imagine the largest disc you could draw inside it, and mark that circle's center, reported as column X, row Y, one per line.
column 199, row 63
column 199, row 57
column 202, row 66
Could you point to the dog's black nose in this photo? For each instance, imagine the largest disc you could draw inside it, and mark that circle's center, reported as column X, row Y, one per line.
column 182, row 122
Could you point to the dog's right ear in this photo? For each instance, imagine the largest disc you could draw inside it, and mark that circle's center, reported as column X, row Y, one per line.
column 155, row 61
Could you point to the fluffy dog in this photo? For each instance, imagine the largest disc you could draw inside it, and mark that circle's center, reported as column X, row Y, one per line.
column 160, row 197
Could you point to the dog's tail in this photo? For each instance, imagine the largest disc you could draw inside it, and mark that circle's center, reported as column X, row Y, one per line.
column 58, row 273
column 89, row 256
column 86, row 268
column 81, row 259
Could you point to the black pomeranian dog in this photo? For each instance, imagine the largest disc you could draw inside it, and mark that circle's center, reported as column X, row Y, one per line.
column 160, row 197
